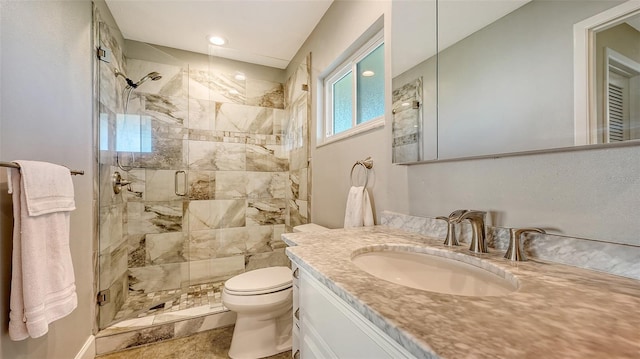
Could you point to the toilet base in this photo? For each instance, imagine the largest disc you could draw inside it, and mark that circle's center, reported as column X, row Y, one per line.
column 255, row 337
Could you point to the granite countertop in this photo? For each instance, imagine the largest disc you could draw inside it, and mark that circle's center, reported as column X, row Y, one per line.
column 558, row 311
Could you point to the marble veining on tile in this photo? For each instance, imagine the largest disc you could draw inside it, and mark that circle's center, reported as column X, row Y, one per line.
column 216, row 214
column 165, row 247
column 169, row 110
column 246, row 119
column 167, row 153
column 137, row 250
column 201, row 185
column 266, row 211
column 201, row 115
column 267, row 158
column 266, row 185
column 217, row 156
column 216, row 86
column 558, row 311
column 155, row 278
column 215, row 269
column 265, row 93
column 231, row 184
column 154, row 217
column 160, row 186
column 268, row 259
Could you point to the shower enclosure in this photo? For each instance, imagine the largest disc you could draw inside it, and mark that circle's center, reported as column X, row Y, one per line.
column 213, row 159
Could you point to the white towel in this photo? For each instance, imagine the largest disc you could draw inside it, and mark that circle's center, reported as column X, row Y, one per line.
column 358, row 212
column 42, row 279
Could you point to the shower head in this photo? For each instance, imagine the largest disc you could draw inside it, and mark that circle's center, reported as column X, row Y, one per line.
column 153, row 76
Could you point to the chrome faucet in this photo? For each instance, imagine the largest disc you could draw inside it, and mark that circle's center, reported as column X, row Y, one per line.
column 453, row 218
column 514, row 253
column 478, row 237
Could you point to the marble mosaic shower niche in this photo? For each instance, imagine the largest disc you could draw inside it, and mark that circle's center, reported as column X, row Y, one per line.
column 220, row 173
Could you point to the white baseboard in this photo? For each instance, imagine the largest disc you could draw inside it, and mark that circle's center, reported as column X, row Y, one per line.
column 88, row 350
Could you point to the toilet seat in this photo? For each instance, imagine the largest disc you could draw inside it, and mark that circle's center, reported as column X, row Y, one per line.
column 260, row 281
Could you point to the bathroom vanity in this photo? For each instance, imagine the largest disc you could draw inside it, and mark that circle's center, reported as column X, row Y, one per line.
column 326, row 327
column 556, row 311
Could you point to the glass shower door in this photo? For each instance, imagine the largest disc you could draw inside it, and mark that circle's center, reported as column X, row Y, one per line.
column 143, row 126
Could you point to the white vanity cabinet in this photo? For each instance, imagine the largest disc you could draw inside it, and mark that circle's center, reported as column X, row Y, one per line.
column 326, row 327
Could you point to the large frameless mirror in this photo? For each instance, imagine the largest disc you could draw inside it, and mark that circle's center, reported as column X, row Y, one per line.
column 520, row 76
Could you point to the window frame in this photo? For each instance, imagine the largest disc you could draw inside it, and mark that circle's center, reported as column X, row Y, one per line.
column 343, row 69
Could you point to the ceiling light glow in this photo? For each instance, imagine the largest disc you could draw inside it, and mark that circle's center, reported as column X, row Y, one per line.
column 368, row 73
column 217, row 40
column 240, row 76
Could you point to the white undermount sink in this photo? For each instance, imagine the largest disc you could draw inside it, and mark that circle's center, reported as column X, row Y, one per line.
column 434, row 272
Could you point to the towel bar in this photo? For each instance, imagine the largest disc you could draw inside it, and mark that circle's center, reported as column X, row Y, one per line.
column 367, row 163
column 15, row 165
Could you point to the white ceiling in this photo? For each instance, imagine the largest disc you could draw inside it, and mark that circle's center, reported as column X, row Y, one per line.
column 265, row 32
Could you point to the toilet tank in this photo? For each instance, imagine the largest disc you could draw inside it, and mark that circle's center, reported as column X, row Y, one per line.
column 309, row 227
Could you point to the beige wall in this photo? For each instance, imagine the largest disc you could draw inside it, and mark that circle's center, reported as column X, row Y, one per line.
column 46, row 97
column 342, row 25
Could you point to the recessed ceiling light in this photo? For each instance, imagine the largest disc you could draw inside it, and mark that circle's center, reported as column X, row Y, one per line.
column 217, row 40
column 240, row 76
column 368, row 73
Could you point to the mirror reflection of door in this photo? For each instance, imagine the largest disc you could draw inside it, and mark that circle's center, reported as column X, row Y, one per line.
column 622, row 98
column 617, row 46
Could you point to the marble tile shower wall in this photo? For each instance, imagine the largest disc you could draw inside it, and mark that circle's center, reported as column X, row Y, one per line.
column 227, row 135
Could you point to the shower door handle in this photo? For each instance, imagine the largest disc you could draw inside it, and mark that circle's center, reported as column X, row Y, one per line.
column 175, row 184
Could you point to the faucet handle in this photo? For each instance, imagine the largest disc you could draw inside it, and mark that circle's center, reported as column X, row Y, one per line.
column 451, row 239
column 513, row 252
column 455, row 215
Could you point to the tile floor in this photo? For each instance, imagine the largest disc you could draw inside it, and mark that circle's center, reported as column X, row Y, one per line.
column 212, row 344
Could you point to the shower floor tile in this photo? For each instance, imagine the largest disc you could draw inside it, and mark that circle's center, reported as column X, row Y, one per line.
column 212, row 344
column 140, row 305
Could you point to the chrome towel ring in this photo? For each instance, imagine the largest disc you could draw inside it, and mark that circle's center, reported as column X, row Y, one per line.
column 367, row 163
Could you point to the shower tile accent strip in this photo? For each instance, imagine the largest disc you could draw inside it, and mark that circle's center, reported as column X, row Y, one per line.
column 613, row 258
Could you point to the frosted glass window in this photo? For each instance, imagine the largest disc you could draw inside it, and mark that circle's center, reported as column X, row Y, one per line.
column 133, row 133
column 354, row 92
column 343, row 103
column 370, row 92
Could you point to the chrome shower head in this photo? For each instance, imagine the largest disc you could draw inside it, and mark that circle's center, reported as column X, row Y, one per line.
column 153, row 76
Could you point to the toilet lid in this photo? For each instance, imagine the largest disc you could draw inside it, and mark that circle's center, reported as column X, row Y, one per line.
column 260, row 281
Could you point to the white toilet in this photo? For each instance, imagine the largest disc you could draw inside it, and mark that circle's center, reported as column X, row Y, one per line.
column 262, row 299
